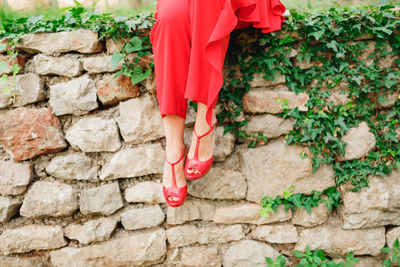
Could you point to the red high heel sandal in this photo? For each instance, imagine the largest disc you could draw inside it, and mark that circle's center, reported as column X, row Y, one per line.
column 174, row 191
column 194, row 163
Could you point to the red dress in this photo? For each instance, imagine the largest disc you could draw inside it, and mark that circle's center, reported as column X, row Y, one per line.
column 190, row 39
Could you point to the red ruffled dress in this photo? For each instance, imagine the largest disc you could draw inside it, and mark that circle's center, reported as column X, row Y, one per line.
column 190, row 39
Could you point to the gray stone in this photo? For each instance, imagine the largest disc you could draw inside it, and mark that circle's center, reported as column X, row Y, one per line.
column 29, row 88
column 259, row 81
column 200, row 256
column 191, row 210
column 271, row 168
column 359, row 142
column 270, row 125
column 249, row 213
column 77, row 96
column 14, row 177
column 319, row 215
column 249, row 253
column 46, row 198
column 94, row 135
column 136, row 161
column 37, row 261
column 337, row 242
column 62, row 66
column 260, row 100
column 140, row 120
column 94, row 230
column 73, row 167
column 376, row 205
column 277, row 233
column 219, row 183
column 188, row 234
column 147, row 192
column 131, row 248
column 146, row 217
column 81, row 40
column 8, row 208
column 104, row 199
column 31, row 237
column 99, row 64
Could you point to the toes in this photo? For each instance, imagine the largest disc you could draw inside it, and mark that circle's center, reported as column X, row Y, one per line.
column 173, row 198
column 192, row 171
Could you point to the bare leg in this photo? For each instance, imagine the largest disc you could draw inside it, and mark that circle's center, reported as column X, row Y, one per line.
column 206, row 146
column 174, row 126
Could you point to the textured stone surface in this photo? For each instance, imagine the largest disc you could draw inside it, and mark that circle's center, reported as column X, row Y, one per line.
column 259, row 81
column 260, row 100
column 137, row 161
column 29, row 88
column 8, row 207
column 391, row 235
column 19, row 60
column 99, row 63
column 31, row 237
column 94, row 135
column 248, row 213
column 147, row 192
column 249, row 253
column 77, row 96
column 376, row 205
column 75, row 166
column 14, row 177
column 336, row 242
column 278, row 233
column 130, row 249
column 83, row 41
column 359, row 142
column 26, row 133
column 115, row 45
column 111, row 90
column 137, row 218
column 270, row 125
column 199, row 256
column 94, row 230
column 219, row 183
column 271, row 168
column 192, row 209
column 187, row 234
column 36, row 261
column 319, row 215
column 62, row 66
column 49, row 199
column 104, row 199
column 140, row 120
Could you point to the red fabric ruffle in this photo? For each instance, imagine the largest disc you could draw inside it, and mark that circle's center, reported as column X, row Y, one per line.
column 238, row 14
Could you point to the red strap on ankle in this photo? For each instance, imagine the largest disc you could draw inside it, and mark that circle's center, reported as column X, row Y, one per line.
column 215, row 124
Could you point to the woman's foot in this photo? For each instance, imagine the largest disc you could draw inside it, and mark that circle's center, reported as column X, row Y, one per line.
column 174, row 128
column 207, row 142
column 173, row 154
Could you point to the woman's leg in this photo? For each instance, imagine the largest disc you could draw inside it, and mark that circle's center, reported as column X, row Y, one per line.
column 204, row 80
column 170, row 38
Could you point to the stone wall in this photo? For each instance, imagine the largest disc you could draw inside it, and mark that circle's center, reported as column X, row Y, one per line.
column 81, row 161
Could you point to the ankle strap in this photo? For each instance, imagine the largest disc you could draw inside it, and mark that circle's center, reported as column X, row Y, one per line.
column 183, row 154
column 215, row 124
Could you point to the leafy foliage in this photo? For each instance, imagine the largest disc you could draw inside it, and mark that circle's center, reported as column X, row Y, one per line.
column 346, row 51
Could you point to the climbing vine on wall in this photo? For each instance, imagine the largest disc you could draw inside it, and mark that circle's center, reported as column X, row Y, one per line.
column 333, row 43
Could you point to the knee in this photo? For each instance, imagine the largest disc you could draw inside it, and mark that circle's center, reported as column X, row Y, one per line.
column 172, row 15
